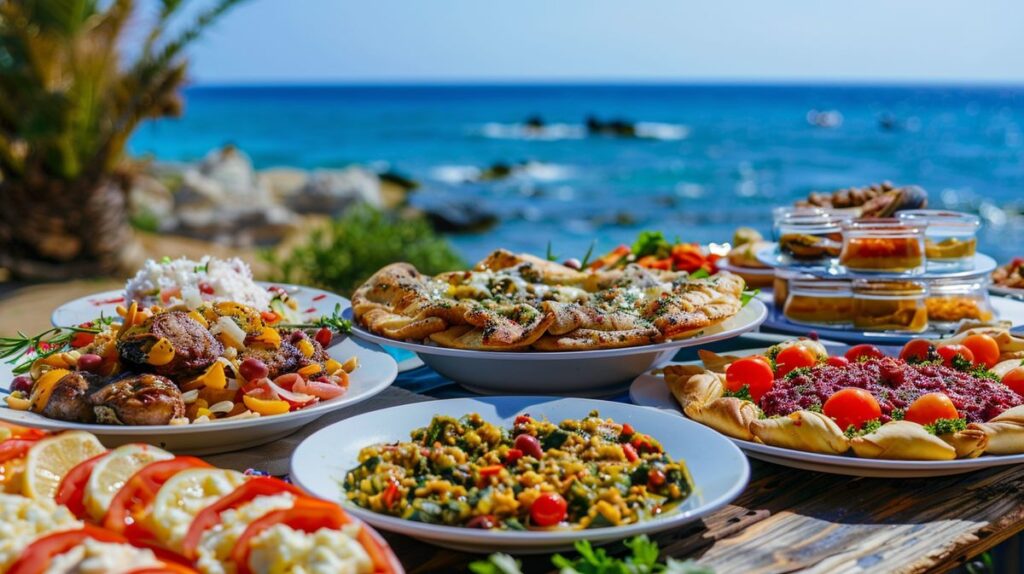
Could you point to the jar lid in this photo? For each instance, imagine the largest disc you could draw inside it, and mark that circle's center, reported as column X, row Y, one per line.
column 874, row 287
column 941, row 218
column 887, row 225
column 820, row 287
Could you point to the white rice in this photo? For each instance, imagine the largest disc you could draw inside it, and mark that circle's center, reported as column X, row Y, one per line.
column 177, row 281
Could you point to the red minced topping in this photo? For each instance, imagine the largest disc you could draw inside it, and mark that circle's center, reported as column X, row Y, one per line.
column 894, row 384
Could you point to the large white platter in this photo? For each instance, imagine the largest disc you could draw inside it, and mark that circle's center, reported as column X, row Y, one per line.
column 312, row 302
column 650, row 390
column 1006, row 309
column 376, row 371
column 719, row 470
column 579, row 373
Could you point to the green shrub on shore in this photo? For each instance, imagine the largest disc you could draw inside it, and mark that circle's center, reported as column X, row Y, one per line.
column 343, row 254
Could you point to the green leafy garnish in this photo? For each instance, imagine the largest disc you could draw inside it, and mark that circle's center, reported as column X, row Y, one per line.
column 742, row 394
column 651, row 243
column 586, row 257
column 49, row 342
column 798, row 372
column 961, row 363
column 334, row 321
column 643, row 560
column 946, row 426
column 701, row 274
column 746, row 296
column 867, row 428
column 897, row 414
column 550, row 255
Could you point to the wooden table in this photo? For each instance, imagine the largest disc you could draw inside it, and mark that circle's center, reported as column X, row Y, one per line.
column 789, row 520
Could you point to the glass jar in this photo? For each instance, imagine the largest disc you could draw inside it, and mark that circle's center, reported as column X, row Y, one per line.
column 781, row 213
column 810, row 239
column 883, row 245
column 819, row 302
column 780, row 287
column 950, row 238
column 897, row 306
column 953, row 300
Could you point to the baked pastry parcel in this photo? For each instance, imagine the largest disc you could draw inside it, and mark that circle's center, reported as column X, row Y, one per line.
column 515, row 302
column 794, row 411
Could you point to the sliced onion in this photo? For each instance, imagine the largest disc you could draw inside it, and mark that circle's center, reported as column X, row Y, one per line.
column 189, row 397
column 222, row 407
column 297, row 399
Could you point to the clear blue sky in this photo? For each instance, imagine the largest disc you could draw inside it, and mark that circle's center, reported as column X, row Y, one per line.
column 269, row 41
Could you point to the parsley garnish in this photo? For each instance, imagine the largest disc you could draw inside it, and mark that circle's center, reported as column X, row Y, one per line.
column 643, row 560
column 897, row 414
column 743, row 393
column 797, row 372
column 946, row 426
column 746, row 296
column 867, row 428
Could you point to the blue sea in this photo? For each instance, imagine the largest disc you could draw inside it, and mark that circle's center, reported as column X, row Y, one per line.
column 712, row 157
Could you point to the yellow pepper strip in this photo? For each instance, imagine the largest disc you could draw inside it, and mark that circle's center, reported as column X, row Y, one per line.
column 309, row 370
column 43, row 388
column 351, row 364
column 332, row 366
column 160, row 353
column 201, row 412
column 18, row 403
column 199, row 319
column 129, row 319
column 306, row 347
column 269, row 337
column 213, row 377
column 266, row 407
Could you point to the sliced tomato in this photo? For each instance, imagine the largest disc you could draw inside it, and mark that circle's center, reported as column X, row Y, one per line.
column 131, row 504
column 36, row 557
column 245, row 493
column 15, row 448
column 18, row 431
column 71, row 491
column 306, row 515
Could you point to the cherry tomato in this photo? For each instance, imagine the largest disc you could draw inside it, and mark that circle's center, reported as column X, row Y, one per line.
column 627, row 429
column 1014, row 378
column 753, row 372
column 985, row 349
column 795, row 357
column 324, row 336
column 838, row 362
column 630, row 452
column 950, row 352
column 930, row 407
column 513, row 455
column 917, row 351
column 548, row 510
column 852, row 407
column 243, row 494
column 71, row 491
column 858, row 352
column 529, row 445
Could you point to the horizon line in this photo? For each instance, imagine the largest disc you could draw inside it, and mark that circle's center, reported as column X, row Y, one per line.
column 606, row 82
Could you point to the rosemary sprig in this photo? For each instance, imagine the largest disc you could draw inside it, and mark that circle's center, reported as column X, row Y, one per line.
column 334, row 321
column 49, row 342
column 590, row 252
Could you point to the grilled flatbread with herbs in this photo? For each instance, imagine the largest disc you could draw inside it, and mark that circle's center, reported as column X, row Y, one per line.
column 514, row 301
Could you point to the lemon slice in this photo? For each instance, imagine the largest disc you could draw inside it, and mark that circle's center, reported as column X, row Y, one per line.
column 113, row 470
column 181, row 498
column 51, row 458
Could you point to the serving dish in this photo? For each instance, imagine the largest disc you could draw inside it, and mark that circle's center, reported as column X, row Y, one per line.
column 376, row 371
column 75, row 506
column 311, row 302
column 897, row 448
column 579, row 373
column 978, row 264
column 719, row 470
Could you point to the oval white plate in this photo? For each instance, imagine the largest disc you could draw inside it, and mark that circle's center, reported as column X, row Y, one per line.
column 1006, row 291
column 650, row 390
column 376, row 371
column 719, row 470
column 1006, row 309
column 314, row 302
column 581, row 373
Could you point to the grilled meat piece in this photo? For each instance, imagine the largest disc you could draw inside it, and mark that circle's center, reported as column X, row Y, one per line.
column 195, row 348
column 138, row 400
column 70, row 398
column 285, row 359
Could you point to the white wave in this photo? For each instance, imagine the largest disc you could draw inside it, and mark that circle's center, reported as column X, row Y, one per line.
column 523, row 132
column 455, row 173
column 660, row 131
column 543, row 171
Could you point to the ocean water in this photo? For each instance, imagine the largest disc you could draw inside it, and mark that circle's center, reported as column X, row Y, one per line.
column 712, row 157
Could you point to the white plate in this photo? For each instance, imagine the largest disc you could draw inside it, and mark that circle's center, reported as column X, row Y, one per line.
column 1006, row 309
column 1006, row 291
column 313, row 302
column 719, row 470
column 981, row 265
column 724, row 265
column 650, row 390
column 580, row 373
column 376, row 371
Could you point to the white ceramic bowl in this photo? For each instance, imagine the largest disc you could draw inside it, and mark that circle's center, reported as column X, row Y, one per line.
column 719, row 470
column 650, row 390
column 579, row 373
column 377, row 370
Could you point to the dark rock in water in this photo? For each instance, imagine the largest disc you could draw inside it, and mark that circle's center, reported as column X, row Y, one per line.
column 459, row 217
column 534, row 122
column 398, row 179
column 613, row 128
column 497, row 170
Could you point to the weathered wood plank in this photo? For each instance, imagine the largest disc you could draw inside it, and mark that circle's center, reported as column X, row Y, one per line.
column 789, row 521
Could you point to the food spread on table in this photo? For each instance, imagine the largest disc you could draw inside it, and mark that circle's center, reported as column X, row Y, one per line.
column 468, row 472
column 69, row 505
column 938, row 400
column 1010, row 275
column 518, row 302
column 156, row 365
